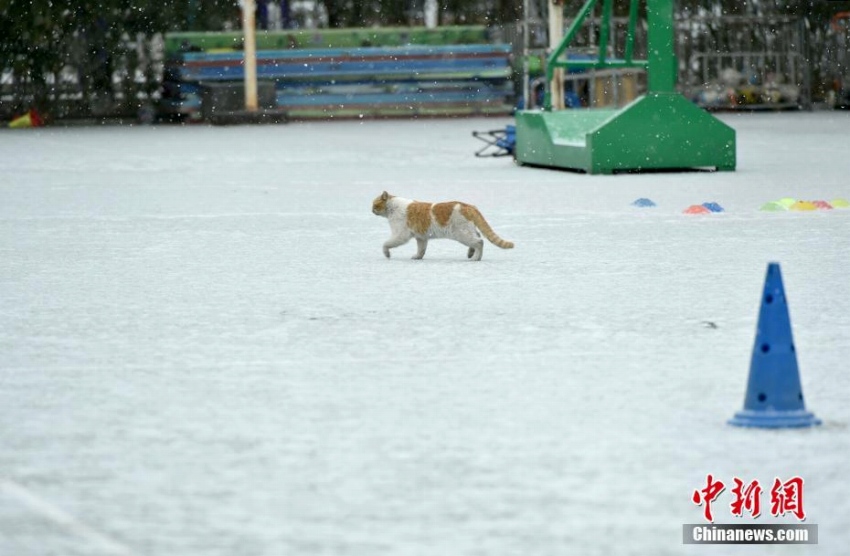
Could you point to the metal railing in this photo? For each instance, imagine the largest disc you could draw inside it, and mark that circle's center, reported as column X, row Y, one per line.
column 619, row 86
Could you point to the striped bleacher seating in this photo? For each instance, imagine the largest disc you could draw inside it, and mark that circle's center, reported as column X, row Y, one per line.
column 438, row 80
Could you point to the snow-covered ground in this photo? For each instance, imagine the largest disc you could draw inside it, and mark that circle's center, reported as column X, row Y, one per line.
column 203, row 351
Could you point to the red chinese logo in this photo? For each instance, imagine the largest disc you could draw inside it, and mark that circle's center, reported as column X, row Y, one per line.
column 785, row 497
column 707, row 495
column 746, row 498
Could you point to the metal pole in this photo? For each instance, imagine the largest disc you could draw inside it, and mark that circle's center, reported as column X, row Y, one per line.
column 250, row 53
column 661, row 53
column 556, row 33
column 432, row 12
column 552, row 60
column 630, row 34
column 604, row 30
column 525, row 47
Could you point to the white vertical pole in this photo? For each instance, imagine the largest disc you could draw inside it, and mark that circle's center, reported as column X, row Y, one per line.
column 431, row 12
column 250, row 53
column 556, row 33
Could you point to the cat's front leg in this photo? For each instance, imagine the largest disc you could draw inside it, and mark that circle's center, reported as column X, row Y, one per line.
column 421, row 246
column 394, row 242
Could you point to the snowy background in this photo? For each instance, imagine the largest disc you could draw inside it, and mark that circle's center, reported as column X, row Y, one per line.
column 204, row 352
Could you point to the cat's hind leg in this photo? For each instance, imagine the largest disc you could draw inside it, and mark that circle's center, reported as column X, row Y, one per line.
column 421, row 246
column 476, row 245
column 395, row 241
column 476, row 250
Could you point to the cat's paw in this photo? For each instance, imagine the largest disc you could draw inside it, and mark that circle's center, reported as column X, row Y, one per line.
column 386, row 252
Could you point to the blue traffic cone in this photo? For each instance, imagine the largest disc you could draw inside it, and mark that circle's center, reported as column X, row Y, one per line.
column 774, row 395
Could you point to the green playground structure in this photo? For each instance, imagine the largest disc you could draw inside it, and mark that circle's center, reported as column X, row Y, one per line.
column 659, row 130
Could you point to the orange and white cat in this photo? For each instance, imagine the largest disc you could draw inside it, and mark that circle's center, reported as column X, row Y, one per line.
column 423, row 221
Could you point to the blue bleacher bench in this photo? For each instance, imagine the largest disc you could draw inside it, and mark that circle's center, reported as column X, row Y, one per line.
column 351, row 82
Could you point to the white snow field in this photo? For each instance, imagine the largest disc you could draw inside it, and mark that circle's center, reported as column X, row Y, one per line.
column 203, row 351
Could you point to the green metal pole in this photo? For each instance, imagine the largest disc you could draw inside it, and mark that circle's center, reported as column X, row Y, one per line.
column 630, row 34
column 605, row 30
column 662, row 46
column 608, row 64
column 552, row 61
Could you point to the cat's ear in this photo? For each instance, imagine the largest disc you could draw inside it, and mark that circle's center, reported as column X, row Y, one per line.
column 385, row 196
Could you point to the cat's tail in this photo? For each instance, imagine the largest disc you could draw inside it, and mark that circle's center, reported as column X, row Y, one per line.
column 474, row 215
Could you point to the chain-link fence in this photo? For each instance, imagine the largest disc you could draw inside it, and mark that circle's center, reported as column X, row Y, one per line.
column 725, row 62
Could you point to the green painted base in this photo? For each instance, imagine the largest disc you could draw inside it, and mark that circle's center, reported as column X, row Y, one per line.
column 656, row 131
